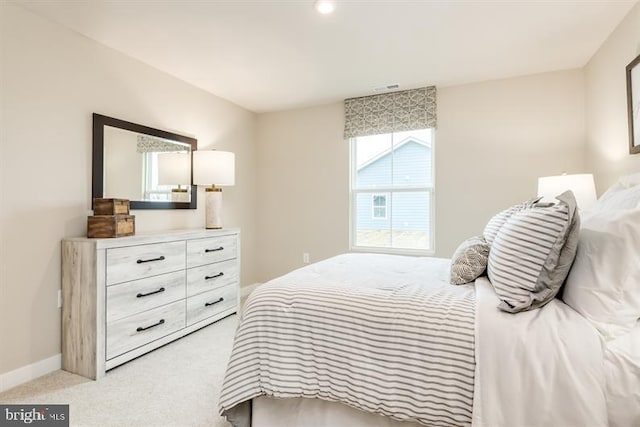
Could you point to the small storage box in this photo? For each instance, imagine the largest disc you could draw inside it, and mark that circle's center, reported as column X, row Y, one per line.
column 111, row 225
column 110, row 207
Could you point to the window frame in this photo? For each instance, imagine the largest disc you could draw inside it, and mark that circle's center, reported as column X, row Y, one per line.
column 389, row 190
column 149, row 190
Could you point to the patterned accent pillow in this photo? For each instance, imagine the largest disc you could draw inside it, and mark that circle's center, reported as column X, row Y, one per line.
column 533, row 252
column 469, row 261
column 499, row 219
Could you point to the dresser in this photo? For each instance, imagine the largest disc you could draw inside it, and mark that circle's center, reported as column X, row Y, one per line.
column 124, row 297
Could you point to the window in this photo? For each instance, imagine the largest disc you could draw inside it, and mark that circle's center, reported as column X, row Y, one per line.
column 392, row 191
column 150, row 187
column 379, row 206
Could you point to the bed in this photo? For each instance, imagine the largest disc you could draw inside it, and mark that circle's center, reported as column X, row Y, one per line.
column 384, row 340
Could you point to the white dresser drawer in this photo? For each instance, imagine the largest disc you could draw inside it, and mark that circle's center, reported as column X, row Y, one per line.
column 211, row 303
column 136, row 262
column 140, row 295
column 133, row 331
column 211, row 276
column 209, row 250
column 116, row 308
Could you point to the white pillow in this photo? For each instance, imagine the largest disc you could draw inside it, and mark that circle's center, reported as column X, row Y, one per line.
column 628, row 181
column 624, row 194
column 604, row 282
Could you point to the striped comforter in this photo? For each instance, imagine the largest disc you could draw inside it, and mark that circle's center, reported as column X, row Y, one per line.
column 384, row 334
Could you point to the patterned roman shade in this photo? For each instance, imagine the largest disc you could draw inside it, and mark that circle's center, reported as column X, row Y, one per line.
column 390, row 112
column 148, row 143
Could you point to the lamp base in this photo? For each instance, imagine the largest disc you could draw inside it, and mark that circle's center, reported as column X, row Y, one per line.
column 180, row 195
column 213, row 208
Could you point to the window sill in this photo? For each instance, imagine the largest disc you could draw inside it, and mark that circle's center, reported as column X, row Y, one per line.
column 393, row 251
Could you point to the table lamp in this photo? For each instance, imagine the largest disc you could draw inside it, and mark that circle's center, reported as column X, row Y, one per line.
column 213, row 168
column 582, row 185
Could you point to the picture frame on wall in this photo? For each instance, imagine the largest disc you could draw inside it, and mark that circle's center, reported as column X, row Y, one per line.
column 633, row 104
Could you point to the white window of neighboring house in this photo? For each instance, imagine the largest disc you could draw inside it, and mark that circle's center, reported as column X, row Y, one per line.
column 392, row 192
column 379, row 206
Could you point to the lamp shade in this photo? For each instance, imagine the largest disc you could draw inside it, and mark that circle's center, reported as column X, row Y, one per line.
column 582, row 186
column 174, row 168
column 211, row 167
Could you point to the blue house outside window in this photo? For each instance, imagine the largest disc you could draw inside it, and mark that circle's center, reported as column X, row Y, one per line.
column 392, row 192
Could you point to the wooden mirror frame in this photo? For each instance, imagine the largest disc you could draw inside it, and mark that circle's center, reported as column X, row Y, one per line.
column 634, row 123
column 99, row 122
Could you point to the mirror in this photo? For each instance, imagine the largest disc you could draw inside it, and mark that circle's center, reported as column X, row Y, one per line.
column 150, row 167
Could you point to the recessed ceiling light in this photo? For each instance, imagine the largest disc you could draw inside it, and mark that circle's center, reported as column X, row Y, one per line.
column 325, row 7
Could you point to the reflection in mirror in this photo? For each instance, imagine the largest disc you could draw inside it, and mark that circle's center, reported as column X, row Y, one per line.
column 175, row 168
column 150, row 167
column 132, row 168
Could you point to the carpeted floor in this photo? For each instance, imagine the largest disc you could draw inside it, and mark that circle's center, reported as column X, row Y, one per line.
column 175, row 385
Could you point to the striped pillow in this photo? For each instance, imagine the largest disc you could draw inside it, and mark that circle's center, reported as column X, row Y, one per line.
column 533, row 252
column 499, row 219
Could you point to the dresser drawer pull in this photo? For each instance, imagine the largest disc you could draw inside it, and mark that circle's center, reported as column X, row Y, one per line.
column 221, row 248
column 160, row 258
column 150, row 293
column 207, row 304
column 140, row 328
column 214, row 276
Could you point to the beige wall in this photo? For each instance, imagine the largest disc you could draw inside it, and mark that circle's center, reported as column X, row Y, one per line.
column 606, row 103
column 52, row 80
column 303, row 203
column 494, row 140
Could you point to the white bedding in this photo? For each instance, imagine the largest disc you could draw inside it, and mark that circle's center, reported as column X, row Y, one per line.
column 302, row 412
column 622, row 372
column 543, row 367
column 537, row 368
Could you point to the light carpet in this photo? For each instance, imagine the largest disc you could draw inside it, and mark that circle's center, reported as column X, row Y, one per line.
column 175, row 385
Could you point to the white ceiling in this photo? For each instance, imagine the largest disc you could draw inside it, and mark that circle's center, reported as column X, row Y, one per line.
column 269, row 55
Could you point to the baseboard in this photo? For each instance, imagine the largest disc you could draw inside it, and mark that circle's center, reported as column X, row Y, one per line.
column 53, row 363
column 30, row 372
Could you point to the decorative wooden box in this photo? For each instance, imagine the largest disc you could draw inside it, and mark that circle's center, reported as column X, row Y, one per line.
column 111, row 225
column 110, row 207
